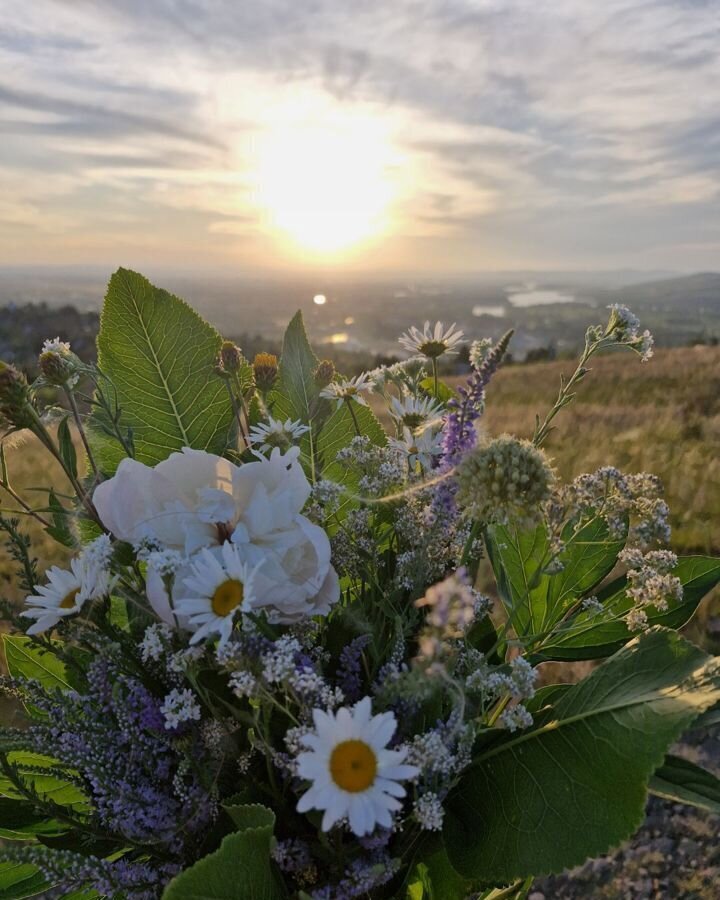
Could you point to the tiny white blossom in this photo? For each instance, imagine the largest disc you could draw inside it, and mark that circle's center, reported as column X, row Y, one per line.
column 155, row 642
column 478, row 351
column 55, row 345
column 243, row 684
column 180, row 706
column 429, row 812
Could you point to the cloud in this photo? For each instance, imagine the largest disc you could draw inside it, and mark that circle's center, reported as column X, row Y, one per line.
column 588, row 132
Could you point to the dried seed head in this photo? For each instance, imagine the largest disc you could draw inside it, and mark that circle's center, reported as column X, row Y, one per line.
column 324, row 373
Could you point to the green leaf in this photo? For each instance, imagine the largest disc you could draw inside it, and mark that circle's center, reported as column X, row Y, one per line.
column 435, row 879
column 575, row 785
column 295, row 395
column 684, row 782
column 60, row 529
column 445, row 392
column 20, row 880
column 49, row 786
column 336, row 433
column 159, row 355
column 535, row 600
column 19, row 821
column 66, row 447
column 594, row 635
column 241, row 869
column 26, row 659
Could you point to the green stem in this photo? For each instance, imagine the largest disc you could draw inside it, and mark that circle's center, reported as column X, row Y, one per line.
column 348, row 402
column 81, row 431
column 435, row 377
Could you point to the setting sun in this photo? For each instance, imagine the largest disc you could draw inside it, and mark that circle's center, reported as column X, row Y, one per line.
column 327, row 188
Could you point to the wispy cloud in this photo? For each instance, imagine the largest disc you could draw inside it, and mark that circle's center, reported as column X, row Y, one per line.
column 573, row 133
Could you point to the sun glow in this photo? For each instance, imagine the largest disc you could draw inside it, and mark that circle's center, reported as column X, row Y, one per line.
column 326, row 187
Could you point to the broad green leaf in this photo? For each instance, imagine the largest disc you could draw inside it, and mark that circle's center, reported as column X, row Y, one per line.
column 575, row 784
column 594, row 635
column 30, row 661
column 20, row 880
column 159, row 355
column 60, row 529
column 295, row 395
column 336, row 433
column 684, row 782
column 709, row 718
column 241, row 869
column 534, row 600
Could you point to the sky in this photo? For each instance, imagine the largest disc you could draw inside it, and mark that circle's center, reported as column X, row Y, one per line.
column 366, row 135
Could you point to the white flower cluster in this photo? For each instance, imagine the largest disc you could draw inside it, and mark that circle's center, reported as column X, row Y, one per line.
column 650, row 584
column 180, row 706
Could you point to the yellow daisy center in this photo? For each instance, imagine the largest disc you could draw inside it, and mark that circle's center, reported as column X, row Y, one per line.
column 227, row 597
column 353, row 766
column 68, row 601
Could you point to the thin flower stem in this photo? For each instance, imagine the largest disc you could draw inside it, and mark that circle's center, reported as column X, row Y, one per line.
column 81, row 431
column 26, row 508
column 348, row 402
column 435, row 377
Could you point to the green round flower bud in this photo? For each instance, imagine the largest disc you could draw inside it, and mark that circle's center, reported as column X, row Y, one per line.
column 324, row 373
column 265, row 368
column 506, row 480
column 57, row 368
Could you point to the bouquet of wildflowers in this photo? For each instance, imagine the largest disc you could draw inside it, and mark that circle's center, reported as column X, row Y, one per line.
column 266, row 671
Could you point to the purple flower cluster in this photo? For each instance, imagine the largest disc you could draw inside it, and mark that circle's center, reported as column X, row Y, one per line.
column 350, row 668
column 113, row 734
column 459, row 434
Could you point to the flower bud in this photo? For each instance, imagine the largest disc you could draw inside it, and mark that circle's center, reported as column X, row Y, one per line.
column 14, row 396
column 231, row 356
column 56, row 368
column 506, row 480
column 265, row 367
column 324, row 373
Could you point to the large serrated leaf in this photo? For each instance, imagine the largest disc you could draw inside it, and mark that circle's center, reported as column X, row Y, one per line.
column 241, row 869
column 594, row 635
column 159, row 355
column 545, row 799
column 28, row 660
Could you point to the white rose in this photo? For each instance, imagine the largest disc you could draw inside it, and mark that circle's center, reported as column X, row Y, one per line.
column 194, row 499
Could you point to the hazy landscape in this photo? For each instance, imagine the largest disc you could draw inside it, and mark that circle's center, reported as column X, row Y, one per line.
column 365, row 314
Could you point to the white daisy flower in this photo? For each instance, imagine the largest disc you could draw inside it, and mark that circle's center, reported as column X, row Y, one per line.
column 418, row 448
column 218, row 588
column 415, row 411
column 348, row 389
column 62, row 596
column 432, row 342
column 352, row 772
column 277, row 434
